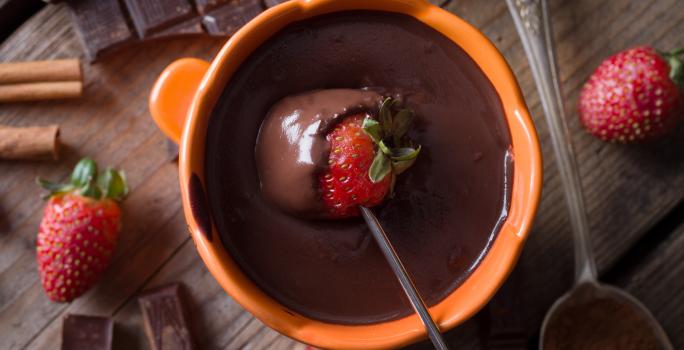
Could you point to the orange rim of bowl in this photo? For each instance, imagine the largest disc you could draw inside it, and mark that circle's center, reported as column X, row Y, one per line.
column 494, row 266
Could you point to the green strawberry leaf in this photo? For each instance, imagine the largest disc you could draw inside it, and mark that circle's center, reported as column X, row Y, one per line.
column 51, row 186
column 389, row 133
column 380, row 167
column 405, row 153
column 676, row 70
column 402, row 124
column 91, row 190
column 676, row 65
column 54, row 189
column 113, row 185
column 85, row 181
column 84, row 172
column 372, row 128
column 386, row 121
column 399, row 166
column 384, row 149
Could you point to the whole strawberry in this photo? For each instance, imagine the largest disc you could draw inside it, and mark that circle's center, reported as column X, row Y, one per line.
column 365, row 156
column 633, row 96
column 79, row 230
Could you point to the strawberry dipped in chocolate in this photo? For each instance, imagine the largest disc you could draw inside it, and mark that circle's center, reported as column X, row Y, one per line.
column 324, row 153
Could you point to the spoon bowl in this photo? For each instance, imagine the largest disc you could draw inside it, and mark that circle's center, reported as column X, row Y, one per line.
column 607, row 315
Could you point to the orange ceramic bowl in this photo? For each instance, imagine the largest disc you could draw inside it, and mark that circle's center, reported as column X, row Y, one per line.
column 182, row 101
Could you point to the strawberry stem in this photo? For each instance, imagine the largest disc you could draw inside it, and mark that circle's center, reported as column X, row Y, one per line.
column 677, row 52
column 113, row 184
column 676, row 66
column 396, row 152
column 84, row 172
column 86, row 181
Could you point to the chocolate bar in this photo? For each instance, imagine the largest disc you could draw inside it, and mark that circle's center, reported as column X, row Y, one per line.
column 105, row 25
column 192, row 26
column 226, row 20
column 155, row 15
column 205, row 5
column 164, row 317
column 101, row 24
column 87, row 332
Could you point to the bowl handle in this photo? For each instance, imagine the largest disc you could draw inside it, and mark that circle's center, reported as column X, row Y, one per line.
column 173, row 93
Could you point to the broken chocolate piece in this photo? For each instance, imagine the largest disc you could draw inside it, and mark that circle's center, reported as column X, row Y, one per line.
column 87, row 332
column 101, row 24
column 165, row 323
column 205, row 5
column 226, row 20
column 108, row 24
column 192, row 26
column 150, row 16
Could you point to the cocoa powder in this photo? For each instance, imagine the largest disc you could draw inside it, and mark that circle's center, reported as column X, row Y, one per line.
column 595, row 319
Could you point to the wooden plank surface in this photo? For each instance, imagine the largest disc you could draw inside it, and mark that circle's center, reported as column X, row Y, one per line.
column 658, row 283
column 628, row 188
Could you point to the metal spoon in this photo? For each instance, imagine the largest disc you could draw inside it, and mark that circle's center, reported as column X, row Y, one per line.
column 404, row 278
column 531, row 19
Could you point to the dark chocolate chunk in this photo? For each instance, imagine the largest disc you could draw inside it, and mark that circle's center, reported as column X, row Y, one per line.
column 151, row 16
column 101, row 24
column 105, row 25
column 191, row 26
column 227, row 19
column 205, row 5
column 164, row 317
column 271, row 3
column 87, row 332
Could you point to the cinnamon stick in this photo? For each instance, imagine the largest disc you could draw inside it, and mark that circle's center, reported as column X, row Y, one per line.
column 40, row 91
column 40, row 71
column 36, row 142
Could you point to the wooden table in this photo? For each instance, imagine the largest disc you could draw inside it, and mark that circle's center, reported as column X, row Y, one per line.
column 634, row 193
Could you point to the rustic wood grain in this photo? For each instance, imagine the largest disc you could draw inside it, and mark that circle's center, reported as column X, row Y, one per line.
column 658, row 283
column 628, row 188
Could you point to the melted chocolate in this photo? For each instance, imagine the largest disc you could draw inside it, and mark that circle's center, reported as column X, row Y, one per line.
column 447, row 207
column 291, row 147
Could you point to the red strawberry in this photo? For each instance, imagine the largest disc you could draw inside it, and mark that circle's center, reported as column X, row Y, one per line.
column 365, row 156
column 79, row 230
column 633, row 96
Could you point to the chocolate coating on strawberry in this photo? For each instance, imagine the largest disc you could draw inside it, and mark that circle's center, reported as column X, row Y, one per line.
column 323, row 153
column 367, row 153
column 291, row 147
